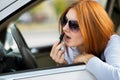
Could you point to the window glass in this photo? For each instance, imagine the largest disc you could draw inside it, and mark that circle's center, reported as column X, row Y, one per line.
column 39, row 27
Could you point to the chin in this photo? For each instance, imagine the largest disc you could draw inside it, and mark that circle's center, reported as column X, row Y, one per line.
column 70, row 45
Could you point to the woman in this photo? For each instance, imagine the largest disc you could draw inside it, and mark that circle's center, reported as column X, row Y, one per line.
column 89, row 37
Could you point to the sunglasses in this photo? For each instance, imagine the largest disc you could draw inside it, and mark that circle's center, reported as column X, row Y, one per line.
column 73, row 24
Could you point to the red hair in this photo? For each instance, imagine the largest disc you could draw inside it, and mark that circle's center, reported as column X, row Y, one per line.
column 95, row 25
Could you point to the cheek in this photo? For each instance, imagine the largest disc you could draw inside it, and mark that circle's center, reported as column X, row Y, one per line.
column 78, row 40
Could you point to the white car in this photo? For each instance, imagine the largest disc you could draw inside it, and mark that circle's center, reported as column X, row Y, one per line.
column 27, row 37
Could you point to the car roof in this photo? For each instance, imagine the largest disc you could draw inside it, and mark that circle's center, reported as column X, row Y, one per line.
column 12, row 9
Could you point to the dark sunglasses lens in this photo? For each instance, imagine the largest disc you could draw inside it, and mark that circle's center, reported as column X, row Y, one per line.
column 73, row 25
column 63, row 21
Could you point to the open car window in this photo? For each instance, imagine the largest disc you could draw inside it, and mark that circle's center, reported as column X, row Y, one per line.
column 39, row 28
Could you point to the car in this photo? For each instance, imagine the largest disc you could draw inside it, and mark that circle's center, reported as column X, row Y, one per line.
column 27, row 33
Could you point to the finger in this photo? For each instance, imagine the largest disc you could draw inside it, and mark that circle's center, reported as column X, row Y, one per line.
column 62, row 59
column 77, row 59
column 60, row 53
column 56, row 52
column 53, row 49
column 58, row 56
column 57, row 49
column 55, row 44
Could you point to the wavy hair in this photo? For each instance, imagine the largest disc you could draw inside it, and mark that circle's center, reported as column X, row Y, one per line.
column 95, row 25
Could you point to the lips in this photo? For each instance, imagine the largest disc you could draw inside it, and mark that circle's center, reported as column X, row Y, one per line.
column 67, row 38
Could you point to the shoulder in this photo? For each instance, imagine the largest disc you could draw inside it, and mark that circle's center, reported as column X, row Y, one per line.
column 112, row 51
column 115, row 36
column 113, row 46
column 114, row 41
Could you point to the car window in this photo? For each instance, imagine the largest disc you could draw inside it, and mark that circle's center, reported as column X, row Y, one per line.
column 39, row 28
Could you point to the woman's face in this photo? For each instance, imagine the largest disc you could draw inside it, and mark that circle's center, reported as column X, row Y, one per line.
column 73, row 37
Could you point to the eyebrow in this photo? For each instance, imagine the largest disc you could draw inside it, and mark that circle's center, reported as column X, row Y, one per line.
column 70, row 19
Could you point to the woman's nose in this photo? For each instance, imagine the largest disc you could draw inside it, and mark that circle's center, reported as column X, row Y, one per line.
column 66, row 28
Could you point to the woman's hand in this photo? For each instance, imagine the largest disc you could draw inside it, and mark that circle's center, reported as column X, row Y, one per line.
column 57, row 54
column 83, row 58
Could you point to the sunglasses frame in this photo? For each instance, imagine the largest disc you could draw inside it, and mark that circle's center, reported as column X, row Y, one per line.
column 73, row 24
